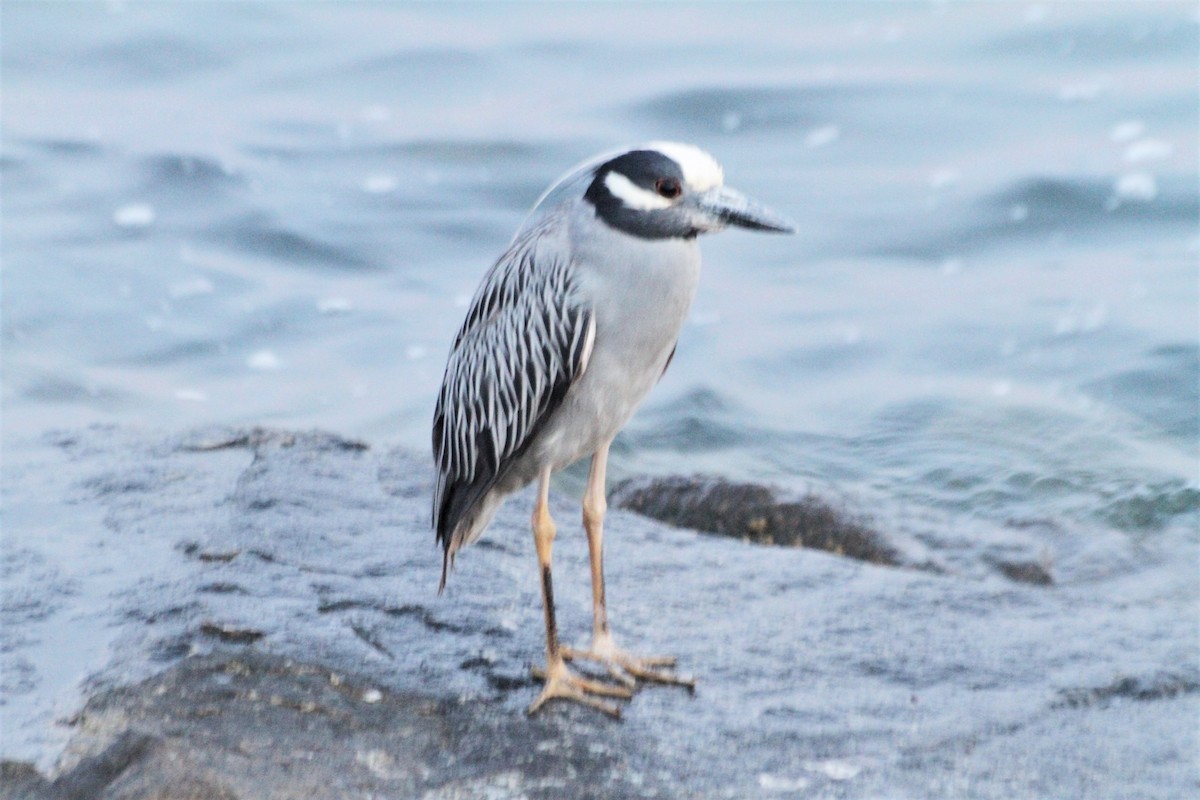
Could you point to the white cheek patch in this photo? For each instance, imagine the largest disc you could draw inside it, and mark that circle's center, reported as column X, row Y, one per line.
column 632, row 195
column 700, row 170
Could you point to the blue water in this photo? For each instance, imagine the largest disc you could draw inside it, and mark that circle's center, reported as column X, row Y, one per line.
column 268, row 213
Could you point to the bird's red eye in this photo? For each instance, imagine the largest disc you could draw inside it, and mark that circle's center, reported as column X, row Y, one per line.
column 668, row 187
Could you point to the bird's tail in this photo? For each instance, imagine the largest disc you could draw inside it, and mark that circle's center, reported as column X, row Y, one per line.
column 466, row 531
column 447, row 562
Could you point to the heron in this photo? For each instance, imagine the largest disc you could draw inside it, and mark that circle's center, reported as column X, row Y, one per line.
column 566, row 334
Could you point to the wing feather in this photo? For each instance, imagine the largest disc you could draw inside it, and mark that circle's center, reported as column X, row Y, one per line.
column 524, row 343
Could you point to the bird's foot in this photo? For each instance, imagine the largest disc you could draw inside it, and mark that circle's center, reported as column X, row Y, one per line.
column 564, row 684
column 629, row 669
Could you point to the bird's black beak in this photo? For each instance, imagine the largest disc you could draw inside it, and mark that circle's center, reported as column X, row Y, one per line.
column 726, row 206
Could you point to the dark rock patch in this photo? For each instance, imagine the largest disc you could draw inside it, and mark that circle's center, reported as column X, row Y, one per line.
column 93, row 775
column 20, row 780
column 752, row 513
column 230, row 633
column 250, row 725
column 1155, row 687
column 758, row 514
column 254, row 438
column 1035, row 573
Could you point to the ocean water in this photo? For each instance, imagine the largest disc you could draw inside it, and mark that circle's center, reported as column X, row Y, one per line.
column 275, row 213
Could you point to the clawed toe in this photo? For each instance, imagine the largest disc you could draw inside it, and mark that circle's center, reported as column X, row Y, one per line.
column 629, row 669
column 649, row 671
column 658, row 661
column 621, row 675
column 563, row 684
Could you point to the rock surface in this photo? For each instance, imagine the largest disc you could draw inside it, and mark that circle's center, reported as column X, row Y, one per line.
column 252, row 725
column 274, row 631
column 753, row 513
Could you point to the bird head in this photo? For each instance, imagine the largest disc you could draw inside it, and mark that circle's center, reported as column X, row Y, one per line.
column 666, row 190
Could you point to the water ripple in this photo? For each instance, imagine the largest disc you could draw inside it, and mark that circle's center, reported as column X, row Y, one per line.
column 257, row 235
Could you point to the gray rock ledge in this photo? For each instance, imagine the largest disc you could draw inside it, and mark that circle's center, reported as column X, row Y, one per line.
column 272, row 630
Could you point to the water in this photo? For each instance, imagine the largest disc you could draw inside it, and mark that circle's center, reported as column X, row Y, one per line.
column 275, row 213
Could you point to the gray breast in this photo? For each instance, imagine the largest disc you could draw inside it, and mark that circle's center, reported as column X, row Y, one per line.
column 639, row 291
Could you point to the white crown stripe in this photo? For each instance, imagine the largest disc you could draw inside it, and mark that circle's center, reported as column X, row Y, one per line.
column 700, row 170
column 632, row 195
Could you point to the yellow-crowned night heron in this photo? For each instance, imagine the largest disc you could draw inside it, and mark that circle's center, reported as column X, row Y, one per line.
column 567, row 333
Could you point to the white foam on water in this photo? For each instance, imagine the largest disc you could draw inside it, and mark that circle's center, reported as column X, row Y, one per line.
column 134, row 216
column 1139, row 187
column 264, row 360
column 819, row 137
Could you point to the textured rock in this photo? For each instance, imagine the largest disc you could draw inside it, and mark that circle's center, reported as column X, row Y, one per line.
column 753, row 513
column 268, row 626
column 227, row 726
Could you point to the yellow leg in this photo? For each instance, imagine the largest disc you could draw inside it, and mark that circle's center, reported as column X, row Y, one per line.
column 621, row 665
column 595, row 506
column 560, row 681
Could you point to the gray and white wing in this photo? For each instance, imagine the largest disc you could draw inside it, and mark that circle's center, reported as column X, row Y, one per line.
column 525, row 341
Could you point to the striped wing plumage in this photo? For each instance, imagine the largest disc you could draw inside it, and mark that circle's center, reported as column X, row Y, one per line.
column 524, row 342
